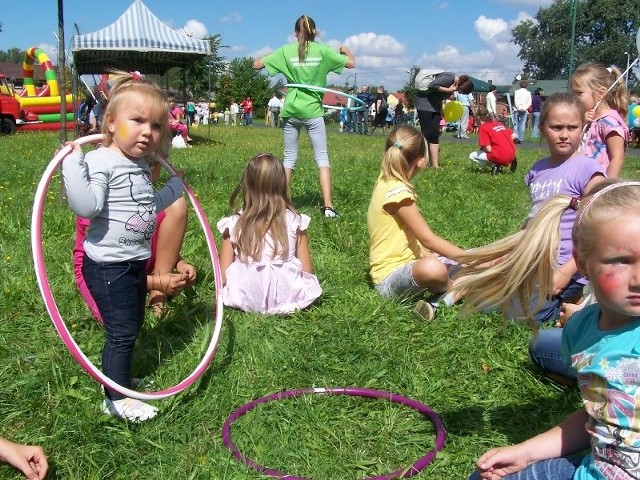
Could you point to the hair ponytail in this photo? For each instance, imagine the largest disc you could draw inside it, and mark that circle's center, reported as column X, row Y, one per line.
column 305, row 29
column 508, row 273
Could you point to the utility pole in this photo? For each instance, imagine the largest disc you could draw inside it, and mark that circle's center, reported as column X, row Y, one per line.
column 573, row 37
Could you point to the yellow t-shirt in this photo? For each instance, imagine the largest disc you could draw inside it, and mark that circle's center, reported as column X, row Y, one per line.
column 390, row 244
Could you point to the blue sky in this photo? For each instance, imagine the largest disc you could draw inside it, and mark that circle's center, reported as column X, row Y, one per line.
column 387, row 38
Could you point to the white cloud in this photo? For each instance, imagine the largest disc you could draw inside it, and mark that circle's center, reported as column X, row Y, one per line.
column 442, row 6
column 260, row 52
column 522, row 16
column 234, row 17
column 489, row 28
column 194, row 28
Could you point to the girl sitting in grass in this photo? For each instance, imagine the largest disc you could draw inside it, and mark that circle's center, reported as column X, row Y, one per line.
column 403, row 250
column 600, row 342
column 265, row 258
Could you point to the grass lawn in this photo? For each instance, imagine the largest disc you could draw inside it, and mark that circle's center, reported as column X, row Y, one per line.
column 474, row 372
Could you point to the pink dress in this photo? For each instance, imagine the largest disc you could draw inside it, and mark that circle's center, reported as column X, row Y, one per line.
column 594, row 144
column 269, row 286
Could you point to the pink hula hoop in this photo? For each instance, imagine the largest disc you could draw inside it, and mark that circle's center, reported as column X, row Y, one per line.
column 406, row 472
column 52, row 307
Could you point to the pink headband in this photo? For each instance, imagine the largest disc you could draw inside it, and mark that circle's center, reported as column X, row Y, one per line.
column 602, row 192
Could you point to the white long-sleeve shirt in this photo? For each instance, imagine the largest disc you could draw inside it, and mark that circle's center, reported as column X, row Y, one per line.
column 117, row 195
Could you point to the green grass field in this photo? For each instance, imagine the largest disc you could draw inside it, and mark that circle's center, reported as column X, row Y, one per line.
column 474, row 372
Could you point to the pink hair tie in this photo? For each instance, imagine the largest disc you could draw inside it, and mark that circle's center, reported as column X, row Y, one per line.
column 136, row 75
column 602, row 192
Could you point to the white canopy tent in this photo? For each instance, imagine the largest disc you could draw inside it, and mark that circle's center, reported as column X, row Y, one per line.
column 137, row 40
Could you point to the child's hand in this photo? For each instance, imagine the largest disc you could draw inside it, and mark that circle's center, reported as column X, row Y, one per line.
column 75, row 148
column 29, row 459
column 188, row 271
column 590, row 115
column 499, row 462
column 560, row 281
column 566, row 311
column 170, row 283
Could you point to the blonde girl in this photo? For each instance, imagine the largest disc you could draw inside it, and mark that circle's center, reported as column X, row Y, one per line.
column 604, row 95
column 599, row 343
column 403, row 250
column 307, row 62
column 265, row 256
column 112, row 187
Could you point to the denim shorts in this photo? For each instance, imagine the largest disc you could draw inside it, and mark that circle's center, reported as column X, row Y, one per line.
column 399, row 282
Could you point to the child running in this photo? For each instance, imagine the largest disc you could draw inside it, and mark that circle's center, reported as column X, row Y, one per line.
column 403, row 250
column 307, row 62
column 112, row 187
column 265, row 259
column 497, row 146
column 600, row 343
column 606, row 110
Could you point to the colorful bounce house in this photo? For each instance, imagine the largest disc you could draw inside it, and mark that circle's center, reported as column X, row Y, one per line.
column 33, row 109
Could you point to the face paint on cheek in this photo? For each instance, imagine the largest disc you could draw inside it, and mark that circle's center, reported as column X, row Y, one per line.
column 608, row 282
column 122, row 131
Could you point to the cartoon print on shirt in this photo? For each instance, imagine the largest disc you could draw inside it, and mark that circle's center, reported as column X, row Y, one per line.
column 144, row 221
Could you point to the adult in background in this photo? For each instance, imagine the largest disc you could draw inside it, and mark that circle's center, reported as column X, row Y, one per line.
column 247, row 106
column 398, row 114
column 522, row 101
column 466, row 99
column 429, row 102
column 234, row 111
column 491, row 102
column 380, row 117
column 536, row 106
column 274, row 106
column 307, row 62
column 362, row 116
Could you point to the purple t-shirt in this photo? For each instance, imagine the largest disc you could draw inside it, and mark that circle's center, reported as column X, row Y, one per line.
column 569, row 178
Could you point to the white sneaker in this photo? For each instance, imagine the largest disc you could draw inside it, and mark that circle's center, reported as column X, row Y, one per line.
column 129, row 409
column 329, row 212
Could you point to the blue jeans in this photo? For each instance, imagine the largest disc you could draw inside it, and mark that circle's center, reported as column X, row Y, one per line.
column 551, row 308
column 552, row 469
column 545, row 352
column 535, row 124
column 362, row 122
column 521, row 123
column 119, row 290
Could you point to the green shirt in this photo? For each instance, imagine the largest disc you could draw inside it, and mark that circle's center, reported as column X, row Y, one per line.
column 319, row 61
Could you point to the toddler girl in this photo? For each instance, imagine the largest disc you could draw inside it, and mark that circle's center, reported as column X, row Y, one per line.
column 112, row 187
column 265, row 256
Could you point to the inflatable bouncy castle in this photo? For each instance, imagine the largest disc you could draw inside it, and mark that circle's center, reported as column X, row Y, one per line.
column 38, row 109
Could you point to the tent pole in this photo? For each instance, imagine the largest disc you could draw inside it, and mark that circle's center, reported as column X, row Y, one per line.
column 63, row 74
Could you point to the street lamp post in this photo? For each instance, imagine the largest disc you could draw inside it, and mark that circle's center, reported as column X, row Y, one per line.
column 355, row 80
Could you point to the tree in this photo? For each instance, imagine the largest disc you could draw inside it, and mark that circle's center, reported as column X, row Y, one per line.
column 605, row 30
column 409, row 88
column 13, row 55
column 240, row 80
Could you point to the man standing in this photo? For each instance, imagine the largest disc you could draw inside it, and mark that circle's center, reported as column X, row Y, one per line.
column 274, row 106
column 491, row 102
column 362, row 117
column 522, row 100
column 234, row 110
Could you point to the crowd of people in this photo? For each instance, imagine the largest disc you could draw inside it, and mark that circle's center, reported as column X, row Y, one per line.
column 579, row 235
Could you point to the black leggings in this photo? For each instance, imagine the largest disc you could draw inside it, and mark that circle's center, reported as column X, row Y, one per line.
column 430, row 125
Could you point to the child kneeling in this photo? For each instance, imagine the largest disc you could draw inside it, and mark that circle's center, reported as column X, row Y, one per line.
column 497, row 146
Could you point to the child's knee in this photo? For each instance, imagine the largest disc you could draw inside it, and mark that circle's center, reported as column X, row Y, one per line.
column 430, row 273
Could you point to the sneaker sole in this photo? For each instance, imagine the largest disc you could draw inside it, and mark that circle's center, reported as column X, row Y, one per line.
column 424, row 310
